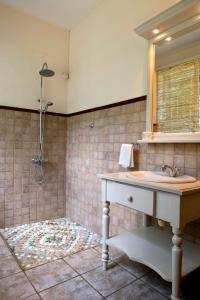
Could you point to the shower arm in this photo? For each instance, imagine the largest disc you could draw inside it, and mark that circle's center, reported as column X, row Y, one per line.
column 44, row 66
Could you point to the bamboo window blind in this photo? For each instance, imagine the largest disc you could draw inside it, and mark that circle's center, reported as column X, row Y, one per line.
column 178, row 98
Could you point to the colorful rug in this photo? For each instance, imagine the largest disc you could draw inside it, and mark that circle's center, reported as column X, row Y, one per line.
column 37, row 243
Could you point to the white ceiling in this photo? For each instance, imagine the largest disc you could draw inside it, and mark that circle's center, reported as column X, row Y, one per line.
column 182, row 42
column 65, row 13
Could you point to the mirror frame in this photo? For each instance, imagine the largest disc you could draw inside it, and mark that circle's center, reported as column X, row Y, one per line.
column 185, row 17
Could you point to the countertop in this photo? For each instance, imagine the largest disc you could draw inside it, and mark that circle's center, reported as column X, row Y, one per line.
column 178, row 188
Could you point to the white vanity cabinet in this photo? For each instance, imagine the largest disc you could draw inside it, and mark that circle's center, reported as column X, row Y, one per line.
column 168, row 254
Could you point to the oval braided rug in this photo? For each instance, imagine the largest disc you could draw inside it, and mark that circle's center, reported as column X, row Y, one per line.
column 37, row 243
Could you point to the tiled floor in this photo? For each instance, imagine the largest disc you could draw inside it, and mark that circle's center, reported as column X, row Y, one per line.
column 80, row 277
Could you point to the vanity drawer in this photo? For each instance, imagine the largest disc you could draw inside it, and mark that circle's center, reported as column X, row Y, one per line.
column 131, row 196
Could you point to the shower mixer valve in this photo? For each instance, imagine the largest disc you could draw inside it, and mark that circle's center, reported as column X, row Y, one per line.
column 37, row 160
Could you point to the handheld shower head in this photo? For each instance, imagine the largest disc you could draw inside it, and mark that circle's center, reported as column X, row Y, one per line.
column 49, row 103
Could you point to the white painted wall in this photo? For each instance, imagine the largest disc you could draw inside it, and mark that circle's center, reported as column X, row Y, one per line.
column 108, row 61
column 25, row 43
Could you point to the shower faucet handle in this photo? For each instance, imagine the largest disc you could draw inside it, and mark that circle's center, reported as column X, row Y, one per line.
column 38, row 160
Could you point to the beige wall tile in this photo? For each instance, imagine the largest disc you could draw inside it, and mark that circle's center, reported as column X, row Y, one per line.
column 17, row 174
column 111, row 128
column 76, row 155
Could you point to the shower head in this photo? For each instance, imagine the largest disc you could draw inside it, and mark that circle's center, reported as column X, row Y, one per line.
column 45, row 72
column 49, row 103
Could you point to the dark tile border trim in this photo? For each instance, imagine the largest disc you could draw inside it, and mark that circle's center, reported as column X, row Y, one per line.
column 35, row 111
column 125, row 102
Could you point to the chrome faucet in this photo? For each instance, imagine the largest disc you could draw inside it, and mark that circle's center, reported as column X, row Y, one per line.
column 171, row 171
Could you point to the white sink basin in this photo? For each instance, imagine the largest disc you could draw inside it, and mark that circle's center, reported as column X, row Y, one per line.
column 159, row 177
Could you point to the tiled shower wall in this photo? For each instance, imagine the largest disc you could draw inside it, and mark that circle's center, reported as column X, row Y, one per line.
column 91, row 151
column 22, row 198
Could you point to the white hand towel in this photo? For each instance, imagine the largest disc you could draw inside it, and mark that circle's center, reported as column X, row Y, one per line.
column 126, row 158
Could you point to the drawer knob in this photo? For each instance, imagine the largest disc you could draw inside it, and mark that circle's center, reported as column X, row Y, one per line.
column 130, row 199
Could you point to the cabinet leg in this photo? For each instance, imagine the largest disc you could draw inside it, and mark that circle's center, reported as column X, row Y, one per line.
column 176, row 263
column 105, row 234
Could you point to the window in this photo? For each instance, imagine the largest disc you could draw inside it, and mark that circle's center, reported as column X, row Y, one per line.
column 178, row 98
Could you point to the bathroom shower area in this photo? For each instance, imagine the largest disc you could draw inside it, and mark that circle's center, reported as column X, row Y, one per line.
column 36, row 190
column 32, row 189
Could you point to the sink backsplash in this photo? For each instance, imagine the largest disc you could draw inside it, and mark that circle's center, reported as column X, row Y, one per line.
column 96, row 150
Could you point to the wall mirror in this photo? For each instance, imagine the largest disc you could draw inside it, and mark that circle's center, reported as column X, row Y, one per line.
column 173, row 102
column 177, row 94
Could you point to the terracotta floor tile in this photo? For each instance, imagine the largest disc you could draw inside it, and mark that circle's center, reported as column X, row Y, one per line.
column 107, row 282
column 48, row 275
column 74, row 289
column 4, row 250
column 33, row 297
column 114, row 253
column 15, row 287
column 8, row 266
column 133, row 267
column 84, row 261
column 138, row 290
column 1, row 241
column 154, row 280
